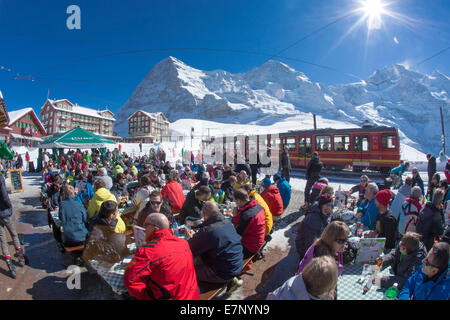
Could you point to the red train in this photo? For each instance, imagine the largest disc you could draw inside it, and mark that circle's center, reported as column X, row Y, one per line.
column 375, row 148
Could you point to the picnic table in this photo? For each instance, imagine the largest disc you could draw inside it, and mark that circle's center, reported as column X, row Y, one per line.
column 350, row 288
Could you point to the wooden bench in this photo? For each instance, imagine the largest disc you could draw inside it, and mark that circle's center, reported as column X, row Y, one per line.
column 210, row 290
column 77, row 248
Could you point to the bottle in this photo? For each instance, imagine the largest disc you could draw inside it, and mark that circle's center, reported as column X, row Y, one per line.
column 391, row 293
column 379, row 262
column 175, row 227
column 359, row 229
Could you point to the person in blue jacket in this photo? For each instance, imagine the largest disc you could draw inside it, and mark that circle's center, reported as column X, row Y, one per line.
column 431, row 281
column 367, row 210
column 285, row 189
column 73, row 217
column 218, row 245
column 397, row 173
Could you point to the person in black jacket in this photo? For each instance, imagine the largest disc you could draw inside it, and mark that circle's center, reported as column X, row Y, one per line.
column 228, row 188
column 194, row 203
column 119, row 189
column 155, row 205
column 54, row 193
column 7, row 221
column 216, row 247
column 238, row 167
column 446, row 236
column 312, row 175
column 404, row 260
column 311, row 227
column 431, row 220
column 431, row 168
column 103, row 243
column 386, row 225
column 227, row 172
column 285, row 164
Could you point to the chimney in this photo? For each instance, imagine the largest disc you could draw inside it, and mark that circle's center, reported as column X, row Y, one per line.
column 315, row 122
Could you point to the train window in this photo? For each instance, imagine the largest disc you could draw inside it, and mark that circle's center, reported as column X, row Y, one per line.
column 323, row 143
column 361, row 143
column 289, row 142
column 388, row 141
column 304, row 146
column 341, row 143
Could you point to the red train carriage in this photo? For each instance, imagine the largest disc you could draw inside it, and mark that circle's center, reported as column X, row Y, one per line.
column 376, row 148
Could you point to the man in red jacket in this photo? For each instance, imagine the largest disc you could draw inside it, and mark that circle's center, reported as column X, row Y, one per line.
column 164, row 268
column 173, row 192
column 250, row 222
column 272, row 197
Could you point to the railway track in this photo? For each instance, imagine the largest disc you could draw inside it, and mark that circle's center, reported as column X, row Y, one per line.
column 343, row 174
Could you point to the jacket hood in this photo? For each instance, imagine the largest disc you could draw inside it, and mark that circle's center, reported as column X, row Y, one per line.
column 271, row 189
column 293, row 289
column 405, row 190
column 102, row 194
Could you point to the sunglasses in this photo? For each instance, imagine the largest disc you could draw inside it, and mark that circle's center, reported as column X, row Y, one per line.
column 330, row 205
column 428, row 264
column 216, row 188
column 157, row 203
column 341, row 241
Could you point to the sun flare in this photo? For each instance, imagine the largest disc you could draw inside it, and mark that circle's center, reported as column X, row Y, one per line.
column 372, row 10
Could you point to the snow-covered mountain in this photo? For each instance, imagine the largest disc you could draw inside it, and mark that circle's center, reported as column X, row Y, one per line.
column 272, row 92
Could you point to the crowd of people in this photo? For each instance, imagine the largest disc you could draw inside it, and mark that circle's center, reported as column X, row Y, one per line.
column 87, row 190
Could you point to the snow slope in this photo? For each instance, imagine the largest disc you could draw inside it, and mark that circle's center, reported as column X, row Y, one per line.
column 272, row 92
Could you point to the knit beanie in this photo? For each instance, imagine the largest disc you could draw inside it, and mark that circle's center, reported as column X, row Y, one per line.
column 383, row 197
column 266, row 183
column 276, row 177
column 324, row 199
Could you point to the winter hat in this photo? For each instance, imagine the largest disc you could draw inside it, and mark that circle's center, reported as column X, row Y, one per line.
column 266, row 182
column 383, row 197
column 276, row 177
column 324, row 199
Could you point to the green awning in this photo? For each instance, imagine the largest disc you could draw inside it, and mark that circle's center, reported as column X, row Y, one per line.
column 5, row 151
column 76, row 138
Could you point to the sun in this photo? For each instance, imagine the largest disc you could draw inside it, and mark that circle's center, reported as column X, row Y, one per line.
column 373, row 7
column 372, row 10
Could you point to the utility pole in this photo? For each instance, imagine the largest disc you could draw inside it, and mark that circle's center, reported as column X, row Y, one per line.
column 443, row 131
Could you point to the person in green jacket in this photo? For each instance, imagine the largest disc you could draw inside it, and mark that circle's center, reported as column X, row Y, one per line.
column 217, row 194
column 88, row 158
column 117, row 169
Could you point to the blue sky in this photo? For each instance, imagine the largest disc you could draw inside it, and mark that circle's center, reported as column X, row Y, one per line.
column 34, row 41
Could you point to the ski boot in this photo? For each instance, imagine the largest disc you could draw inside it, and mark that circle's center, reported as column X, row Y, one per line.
column 11, row 267
column 20, row 257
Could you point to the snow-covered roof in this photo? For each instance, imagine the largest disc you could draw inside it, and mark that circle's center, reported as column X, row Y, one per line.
column 17, row 114
column 151, row 115
column 81, row 110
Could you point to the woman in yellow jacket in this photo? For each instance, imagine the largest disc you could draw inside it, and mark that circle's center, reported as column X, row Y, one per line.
column 101, row 194
column 252, row 193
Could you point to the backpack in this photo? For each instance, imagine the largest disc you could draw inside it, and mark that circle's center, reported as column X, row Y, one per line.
column 409, row 221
